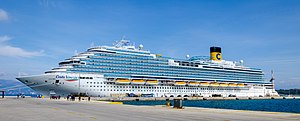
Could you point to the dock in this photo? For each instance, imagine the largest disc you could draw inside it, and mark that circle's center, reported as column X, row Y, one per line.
column 34, row 109
column 185, row 98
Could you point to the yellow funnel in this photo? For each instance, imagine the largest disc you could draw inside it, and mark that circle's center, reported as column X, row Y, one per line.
column 215, row 53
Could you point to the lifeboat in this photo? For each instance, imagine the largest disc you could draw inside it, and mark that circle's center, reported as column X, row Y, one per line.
column 151, row 82
column 137, row 81
column 232, row 85
column 215, row 84
column 122, row 81
column 241, row 85
column 193, row 83
column 223, row 84
column 204, row 84
column 180, row 83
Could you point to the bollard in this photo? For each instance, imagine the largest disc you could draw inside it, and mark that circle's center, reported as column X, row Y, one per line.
column 169, row 104
column 2, row 94
column 178, row 103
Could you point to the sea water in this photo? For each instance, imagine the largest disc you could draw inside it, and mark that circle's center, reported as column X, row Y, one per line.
column 273, row 105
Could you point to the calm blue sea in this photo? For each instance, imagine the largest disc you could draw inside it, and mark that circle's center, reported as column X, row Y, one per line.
column 276, row 105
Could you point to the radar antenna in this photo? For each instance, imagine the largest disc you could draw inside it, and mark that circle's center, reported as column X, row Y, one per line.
column 122, row 43
column 92, row 44
column 75, row 52
column 123, row 37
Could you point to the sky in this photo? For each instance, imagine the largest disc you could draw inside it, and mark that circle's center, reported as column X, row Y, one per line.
column 36, row 34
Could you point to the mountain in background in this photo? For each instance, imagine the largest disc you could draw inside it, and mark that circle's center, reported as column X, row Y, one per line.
column 289, row 92
column 14, row 87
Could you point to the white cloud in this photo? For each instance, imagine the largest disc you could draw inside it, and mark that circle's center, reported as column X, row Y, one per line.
column 3, row 15
column 4, row 38
column 7, row 50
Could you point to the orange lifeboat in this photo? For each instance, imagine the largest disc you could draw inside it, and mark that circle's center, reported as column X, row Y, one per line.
column 180, row 83
column 137, row 81
column 193, row 84
column 215, row 84
column 223, row 84
column 204, row 84
column 232, row 85
column 122, row 81
column 151, row 82
column 241, row 85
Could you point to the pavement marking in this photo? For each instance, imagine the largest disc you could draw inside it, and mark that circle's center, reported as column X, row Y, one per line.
column 71, row 112
column 118, row 103
column 93, row 118
column 271, row 113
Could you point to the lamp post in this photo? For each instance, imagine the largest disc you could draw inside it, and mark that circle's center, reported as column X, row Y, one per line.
column 79, row 98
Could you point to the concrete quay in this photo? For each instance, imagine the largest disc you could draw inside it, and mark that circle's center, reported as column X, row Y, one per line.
column 185, row 98
column 33, row 109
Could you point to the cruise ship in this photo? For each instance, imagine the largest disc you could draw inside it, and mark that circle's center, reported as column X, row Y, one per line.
column 123, row 70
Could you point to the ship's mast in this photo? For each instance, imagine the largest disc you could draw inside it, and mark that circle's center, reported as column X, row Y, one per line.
column 272, row 80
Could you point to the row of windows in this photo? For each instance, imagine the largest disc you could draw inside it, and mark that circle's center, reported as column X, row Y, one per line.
column 85, row 77
column 128, row 59
column 131, row 51
column 127, row 56
column 186, row 76
column 126, row 90
column 163, row 67
column 111, row 68
column 159, row 67
column 139, row 68
column 154, row 87
column 154, row 69
column 102, row 55
column 94, row 82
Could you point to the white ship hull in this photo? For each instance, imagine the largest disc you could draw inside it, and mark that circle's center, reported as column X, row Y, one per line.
column 64, row 84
